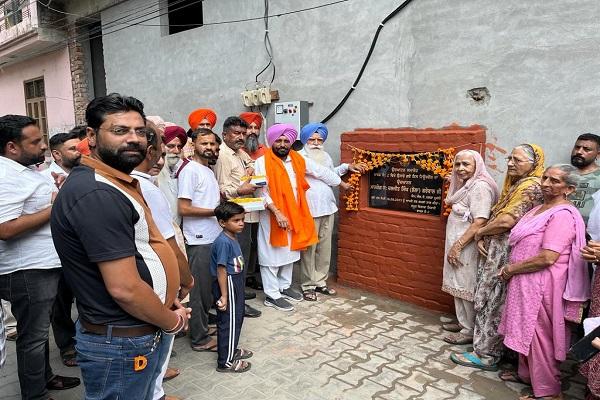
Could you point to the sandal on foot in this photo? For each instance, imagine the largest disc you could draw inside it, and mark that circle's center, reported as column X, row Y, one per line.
column 69, row 358
column 326, row 290
column 62, row 382
column 532, row 397
column 237, row 366
column 167, row 397
column 211, row 346
column 451, row 327
column 471, row 360
column 309, row 295
column 171, row 373
column 458, row 338
column 242, row 354
column 212, row 331
column 511, row 376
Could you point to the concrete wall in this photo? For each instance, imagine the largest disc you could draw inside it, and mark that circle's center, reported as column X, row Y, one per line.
column 55, row 69
column 538, row 59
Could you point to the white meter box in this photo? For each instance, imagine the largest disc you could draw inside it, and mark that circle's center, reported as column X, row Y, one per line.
column 292, row 112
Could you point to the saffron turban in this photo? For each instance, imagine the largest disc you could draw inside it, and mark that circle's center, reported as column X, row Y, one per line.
column 252, row 117
column 172, row 132
column 308, row 130
column 198, row 115
column 278, row 130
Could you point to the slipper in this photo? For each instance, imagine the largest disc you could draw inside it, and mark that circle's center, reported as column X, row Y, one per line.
column 326, row 290
column 212, row 331
column 62, row 382
column 171, row 373
column 532, row 397
column 309, row 295
column 238, row 366
column 211, row 346
column 472, row 361
column 511, row 376
column 69, row 358
column 242, row 354
column 167, row 397
column 458, row 338
column 451, row 327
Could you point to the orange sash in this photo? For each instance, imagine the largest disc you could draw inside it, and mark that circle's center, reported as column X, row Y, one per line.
column 300, row 221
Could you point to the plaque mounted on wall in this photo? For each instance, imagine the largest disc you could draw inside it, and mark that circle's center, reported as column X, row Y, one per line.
column 406, row 187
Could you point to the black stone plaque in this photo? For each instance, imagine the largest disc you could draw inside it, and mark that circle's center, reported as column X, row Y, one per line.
column 405, row 187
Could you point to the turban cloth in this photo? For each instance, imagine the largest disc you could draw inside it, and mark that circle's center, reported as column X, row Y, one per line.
column 278, row 130
column 198, row 115
column 308, row 130
column 172, row 132
column 251, row 117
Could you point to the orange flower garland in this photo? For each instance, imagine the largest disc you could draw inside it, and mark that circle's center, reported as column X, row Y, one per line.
column 439, row 162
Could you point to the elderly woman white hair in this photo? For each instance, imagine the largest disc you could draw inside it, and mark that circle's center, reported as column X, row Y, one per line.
column 472, row 194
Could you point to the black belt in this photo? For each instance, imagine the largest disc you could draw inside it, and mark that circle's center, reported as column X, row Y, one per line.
column 121, row 331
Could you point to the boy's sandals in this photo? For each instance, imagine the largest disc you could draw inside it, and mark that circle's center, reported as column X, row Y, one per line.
column 511, row 376
column 69, row 358
column 171, row 373
column 451, row 327
column 242, row 354
column 211, row 346
column 309, row 295
column 467, row 359
column 238, row 366
column 326, row 290
column 458, row 338
column 532, row 397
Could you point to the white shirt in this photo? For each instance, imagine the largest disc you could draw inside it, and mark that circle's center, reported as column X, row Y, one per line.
column 319, row 196
column 23, row 190
column 268, row 255
column 157, row 203
column 53, row 167
column 198, row 184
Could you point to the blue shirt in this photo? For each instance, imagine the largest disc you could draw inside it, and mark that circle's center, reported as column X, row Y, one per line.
column 226, row 251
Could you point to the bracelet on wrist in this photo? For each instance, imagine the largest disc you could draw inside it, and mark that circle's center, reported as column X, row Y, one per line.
column 177, row 328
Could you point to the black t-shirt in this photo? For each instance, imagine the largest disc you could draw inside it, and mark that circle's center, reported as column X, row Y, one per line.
column 94, row 221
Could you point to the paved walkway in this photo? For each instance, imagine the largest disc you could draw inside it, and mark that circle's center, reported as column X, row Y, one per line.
column 356, row 346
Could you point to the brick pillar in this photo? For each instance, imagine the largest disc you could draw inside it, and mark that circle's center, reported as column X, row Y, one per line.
column 396, row 253
column 78, row 76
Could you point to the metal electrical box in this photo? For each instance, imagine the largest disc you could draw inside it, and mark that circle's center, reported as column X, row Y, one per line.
column 292, row 112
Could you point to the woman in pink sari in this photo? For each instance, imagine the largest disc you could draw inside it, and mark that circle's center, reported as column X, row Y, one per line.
column 547, row 284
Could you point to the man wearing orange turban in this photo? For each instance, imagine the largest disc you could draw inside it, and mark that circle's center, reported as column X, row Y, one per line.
column 202, row 118
column 252, row 146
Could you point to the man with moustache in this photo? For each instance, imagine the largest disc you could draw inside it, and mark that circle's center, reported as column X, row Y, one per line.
column 198, row 197
column 122, row 271
column 174, row 141
column 286, row 226
column 583, row 157
column 316, row 259
column 232, row 166
column 252, row 146
column 63, row 147
column 29, row 265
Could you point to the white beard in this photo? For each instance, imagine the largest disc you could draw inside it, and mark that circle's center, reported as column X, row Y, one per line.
column 316, row 153
column 171, row 160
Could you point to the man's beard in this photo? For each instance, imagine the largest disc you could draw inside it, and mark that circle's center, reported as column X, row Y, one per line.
column 121, row 161
column 282, row 151
column 251, row 143
column 580, row 162
column 171, row 160
column 31, row 159
column 316, row 153
column 71, row 163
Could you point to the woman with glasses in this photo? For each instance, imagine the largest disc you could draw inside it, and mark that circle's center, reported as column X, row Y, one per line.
column 520, row 193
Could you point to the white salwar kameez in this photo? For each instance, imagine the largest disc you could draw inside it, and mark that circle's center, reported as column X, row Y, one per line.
column 276, row 262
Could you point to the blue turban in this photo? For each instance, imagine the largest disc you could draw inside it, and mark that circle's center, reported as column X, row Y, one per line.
column 308, row 130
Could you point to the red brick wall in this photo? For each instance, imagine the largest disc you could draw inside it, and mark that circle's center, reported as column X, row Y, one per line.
column 398, row 254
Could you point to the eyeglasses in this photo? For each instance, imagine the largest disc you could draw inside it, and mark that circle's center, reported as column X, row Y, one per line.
column 517, row 161
column 123, row 130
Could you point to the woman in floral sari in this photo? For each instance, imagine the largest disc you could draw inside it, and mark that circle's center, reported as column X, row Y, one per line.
column 520, row 193
column 548, row 284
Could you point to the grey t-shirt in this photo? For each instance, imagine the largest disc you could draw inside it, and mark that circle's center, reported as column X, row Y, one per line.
column 582, row 197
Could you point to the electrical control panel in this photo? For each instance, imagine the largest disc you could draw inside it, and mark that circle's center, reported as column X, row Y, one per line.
column 292, row 112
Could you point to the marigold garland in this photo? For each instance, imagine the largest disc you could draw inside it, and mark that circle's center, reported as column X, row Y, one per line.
column 439, row 162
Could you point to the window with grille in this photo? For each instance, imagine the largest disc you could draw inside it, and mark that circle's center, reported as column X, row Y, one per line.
column 35, row 104
column 13, row 13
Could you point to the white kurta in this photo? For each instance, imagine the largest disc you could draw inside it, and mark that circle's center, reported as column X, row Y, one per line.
column 269, row 256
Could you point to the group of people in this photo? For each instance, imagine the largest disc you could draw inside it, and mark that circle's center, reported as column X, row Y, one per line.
column 143, row 224
column 516, row 263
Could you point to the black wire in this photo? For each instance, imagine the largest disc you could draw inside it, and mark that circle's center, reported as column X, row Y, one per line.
column 366, row 61
column 267, row 44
